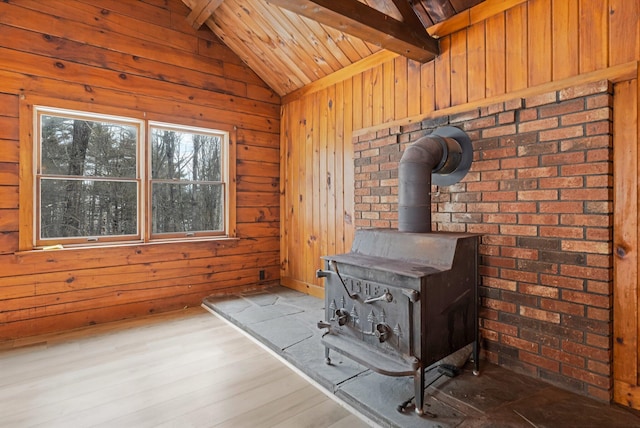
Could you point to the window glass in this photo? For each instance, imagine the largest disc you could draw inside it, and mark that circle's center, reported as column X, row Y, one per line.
column 187, row 180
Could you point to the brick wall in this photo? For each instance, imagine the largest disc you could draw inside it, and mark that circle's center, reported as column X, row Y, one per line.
column 540, row 192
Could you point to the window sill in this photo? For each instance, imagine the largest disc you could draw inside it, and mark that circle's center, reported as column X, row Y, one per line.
column 62, row 247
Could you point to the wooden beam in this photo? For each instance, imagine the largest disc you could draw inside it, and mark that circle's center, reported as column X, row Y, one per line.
column 201, row 11
column 368, row 24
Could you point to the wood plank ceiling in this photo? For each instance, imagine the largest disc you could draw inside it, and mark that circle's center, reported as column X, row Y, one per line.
column 291, row 43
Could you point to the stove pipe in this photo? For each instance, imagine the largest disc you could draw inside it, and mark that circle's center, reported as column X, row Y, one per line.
column 447, row 154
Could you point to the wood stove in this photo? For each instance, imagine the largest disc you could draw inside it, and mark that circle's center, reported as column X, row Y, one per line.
column 402, row 300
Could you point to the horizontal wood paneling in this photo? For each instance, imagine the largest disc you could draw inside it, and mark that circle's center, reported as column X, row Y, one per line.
column 529, row 44
column 142, row 58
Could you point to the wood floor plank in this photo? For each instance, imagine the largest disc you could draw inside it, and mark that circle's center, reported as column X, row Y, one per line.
column 187, row 368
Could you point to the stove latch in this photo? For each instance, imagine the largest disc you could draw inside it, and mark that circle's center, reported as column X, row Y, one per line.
column 386, row 297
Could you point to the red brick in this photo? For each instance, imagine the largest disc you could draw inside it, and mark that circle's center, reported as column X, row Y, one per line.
column 520, row 162
column 561, row 182
column 498, row 262
column 605, row 396
column 499, row 305
column 563, row 357
column 499, row 218
column 587, row 247
column 599, row 155
column 488, row 165
column 483, row 228
column 539, row 290
column 507, row 117
column 518, row 275
column 541, row 99
column 562, row 108
column 562, row 232
column 507, row 241
column 381, row 223
column 482, row 207
column 537, row 360
column 540, row 219
column 586, row 169
column 508, row 174
column 499, row 131
column 498, row 196
column 595, row 142
column 481, row 186
column 589, row 299
column 598, row 341
column 528, row 114
column 562, row 307
column 489, row 335
column 518, row 207
column 537, row 195
column 499, row 283
column 362, row 223
column 600, row 287
column 370, row 153
column 537, row 125
column 503, row 152
column 538, row 149
column 561, row 207
column 586, row 272
column 586, row 116
column 547, row 171
column 587, row 376
column 371, row 199
column 593, row 220
column 519, row 343
column 541, row 315
column 563, row 282
column 597, row 260
column 481, row 123
column 562, row 133
column 599, row 181
column 519, row 230
column 602, row 86
column 500, row 327
column 599, row 234
column 563, row 158
column 370, row 215
column 599, row 128
column 600, row 100
column 370, row 168
column 492, row 109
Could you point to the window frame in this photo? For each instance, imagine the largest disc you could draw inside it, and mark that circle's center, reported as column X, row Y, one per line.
column 30, row 147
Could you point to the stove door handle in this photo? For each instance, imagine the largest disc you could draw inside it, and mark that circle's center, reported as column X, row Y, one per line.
column 413, row 295
column 386, row 297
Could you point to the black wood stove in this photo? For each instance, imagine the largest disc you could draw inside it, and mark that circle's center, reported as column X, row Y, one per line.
column 401, row 300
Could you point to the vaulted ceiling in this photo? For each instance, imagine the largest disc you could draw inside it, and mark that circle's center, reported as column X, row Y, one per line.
column 291, row 43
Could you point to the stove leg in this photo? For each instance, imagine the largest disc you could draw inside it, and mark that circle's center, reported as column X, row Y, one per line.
column 418, row 383
column 327, row 360
column 476, row 358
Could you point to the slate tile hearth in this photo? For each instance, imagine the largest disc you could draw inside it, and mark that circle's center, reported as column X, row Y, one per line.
column 285, row 320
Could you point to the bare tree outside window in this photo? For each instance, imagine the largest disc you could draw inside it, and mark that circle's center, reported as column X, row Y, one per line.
column 187, row 181
column 87, row 178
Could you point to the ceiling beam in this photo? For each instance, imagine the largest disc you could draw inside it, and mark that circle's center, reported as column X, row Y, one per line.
column 358, row 19
column 201, row 11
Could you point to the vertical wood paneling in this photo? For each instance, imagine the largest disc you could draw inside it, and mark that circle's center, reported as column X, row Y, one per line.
column 338, row 179
column 310, row 241
column 401, row 87
column 357, row 96
column 594, row 41
column 377, row 92
column 413, row 79
column 443, row 74
column 539, row 36
column 476, row 61
column 367, row 95
column 331, row 169
column 624, row 31
column 388, row 96
column 518, row 71
column 315, row 190
column 564, row 35
column 323, row 194
column 348, row 166
column 459, row 68
column 427, row 88
column 495, row 55
column 625, row 158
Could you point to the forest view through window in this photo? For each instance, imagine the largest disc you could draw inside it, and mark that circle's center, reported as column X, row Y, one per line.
column 106, row 178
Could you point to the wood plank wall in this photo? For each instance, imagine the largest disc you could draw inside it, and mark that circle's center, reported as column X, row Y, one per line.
column 142, row 56
column 500, row 47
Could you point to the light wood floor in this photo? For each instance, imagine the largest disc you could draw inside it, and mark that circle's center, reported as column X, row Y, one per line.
column 183, row 369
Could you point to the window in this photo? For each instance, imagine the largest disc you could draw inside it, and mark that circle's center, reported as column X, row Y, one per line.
column 102, row 178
